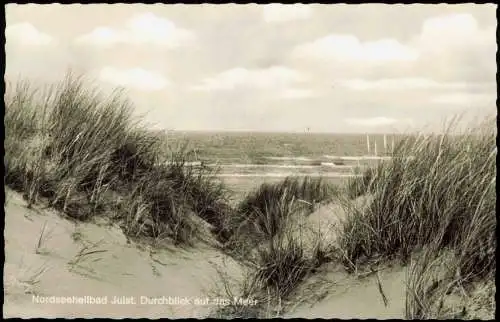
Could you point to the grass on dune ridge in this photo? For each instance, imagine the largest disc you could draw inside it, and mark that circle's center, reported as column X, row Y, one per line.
column 263, row 217
column 270, row 203
column 438, row 203
column 261, row 236
column 434, row 210
column 84, row 151
column 444, row 195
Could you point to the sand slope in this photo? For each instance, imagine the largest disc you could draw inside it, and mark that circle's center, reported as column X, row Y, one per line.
column 332, row 292
column 117, row 269
column 113, row 267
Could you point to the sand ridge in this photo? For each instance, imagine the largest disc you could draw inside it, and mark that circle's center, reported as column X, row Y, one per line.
column 332, row 292
column 111, row 266
column 108, row 267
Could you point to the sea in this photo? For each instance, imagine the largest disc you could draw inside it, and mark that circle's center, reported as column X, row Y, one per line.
column 247, row 159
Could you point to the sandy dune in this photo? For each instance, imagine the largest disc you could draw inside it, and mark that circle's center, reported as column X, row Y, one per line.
column 121, row 269
column 332, row 292
column 113, row 268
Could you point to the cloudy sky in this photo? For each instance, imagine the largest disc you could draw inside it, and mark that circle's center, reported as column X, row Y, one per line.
column 332, row 68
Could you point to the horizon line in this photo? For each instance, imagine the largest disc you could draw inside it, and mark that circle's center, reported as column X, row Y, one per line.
column 280, row 131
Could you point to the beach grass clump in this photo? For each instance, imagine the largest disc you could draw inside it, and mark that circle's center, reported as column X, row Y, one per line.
column 164, row 199
column 73, row 144
column 278, row 268
column 282, row 265
column 273, row 244
column 70, row 133
column 436, row 290
column 359, row 185
column 436, row 195
column 155, row 208
column 438, row 189
column 308, row 189
column 271, row 203
column 208, row 197
column 263, row 212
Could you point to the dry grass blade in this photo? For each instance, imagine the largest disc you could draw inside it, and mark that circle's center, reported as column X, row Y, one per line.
column 42, row 238
column 380, row 288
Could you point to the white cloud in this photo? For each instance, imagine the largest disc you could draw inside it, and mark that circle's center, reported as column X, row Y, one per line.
column 453, row 30
column 273, row 77
column 276, row 12
column 464, row 99
column 150, row 28
column 294, row 93
column 137, row 78
column 144, row 28
column 452, row 35
column 102, row 36
column 409, row 83
column 372, row 122
column 456, row 46
column 26, row 34
column 345, row 48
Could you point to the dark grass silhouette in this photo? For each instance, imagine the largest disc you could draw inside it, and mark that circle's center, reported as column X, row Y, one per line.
column 271, row 203
column 440, row 201
column 81, row 149
column 261, row 237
